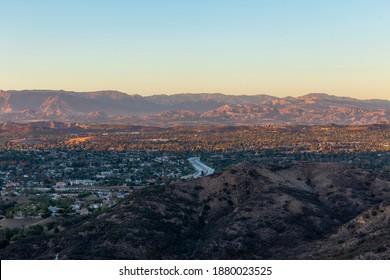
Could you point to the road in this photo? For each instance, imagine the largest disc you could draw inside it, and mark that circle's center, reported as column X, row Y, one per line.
column 201, row 169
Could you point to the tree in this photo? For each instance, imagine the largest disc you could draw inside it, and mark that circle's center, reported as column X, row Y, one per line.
column 9, row 215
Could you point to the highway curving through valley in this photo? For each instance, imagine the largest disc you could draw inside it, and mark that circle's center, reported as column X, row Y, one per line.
column 201, row 169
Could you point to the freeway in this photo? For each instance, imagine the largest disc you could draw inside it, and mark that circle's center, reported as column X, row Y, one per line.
column 201, row 169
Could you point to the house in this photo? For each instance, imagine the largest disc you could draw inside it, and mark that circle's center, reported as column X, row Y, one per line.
column 60, row 185
column 54, row 210
column 83, row 211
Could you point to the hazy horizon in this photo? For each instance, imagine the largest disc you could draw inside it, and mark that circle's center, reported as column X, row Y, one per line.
column 279, row 48
column 176, row 93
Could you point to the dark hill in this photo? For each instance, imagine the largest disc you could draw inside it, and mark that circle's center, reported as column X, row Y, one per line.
column 303, row 211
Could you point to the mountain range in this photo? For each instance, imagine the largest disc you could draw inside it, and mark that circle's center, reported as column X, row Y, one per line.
column 189, row 109
column 249, row 211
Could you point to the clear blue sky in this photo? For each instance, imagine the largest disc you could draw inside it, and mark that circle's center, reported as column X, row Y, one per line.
column 277, row 47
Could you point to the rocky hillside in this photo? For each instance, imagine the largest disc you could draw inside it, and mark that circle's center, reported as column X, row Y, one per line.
column 303, row 211
column 118, row 107
column 67, row 104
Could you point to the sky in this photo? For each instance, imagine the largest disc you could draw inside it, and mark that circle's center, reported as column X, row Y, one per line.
column 276, row 47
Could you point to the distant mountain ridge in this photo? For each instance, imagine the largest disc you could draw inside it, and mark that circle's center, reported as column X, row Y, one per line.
column 188, row 108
